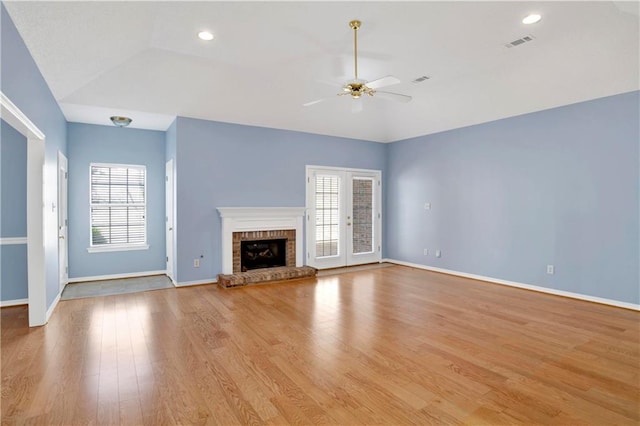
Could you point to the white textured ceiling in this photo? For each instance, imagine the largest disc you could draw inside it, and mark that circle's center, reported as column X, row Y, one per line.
column 143, row 59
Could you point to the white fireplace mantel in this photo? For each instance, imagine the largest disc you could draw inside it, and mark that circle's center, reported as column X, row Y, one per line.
column 247, row 219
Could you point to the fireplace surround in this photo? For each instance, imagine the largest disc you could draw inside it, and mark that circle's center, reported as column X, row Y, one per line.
column 260, row 223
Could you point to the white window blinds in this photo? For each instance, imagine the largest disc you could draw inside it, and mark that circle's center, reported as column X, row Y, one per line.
column 118, row 205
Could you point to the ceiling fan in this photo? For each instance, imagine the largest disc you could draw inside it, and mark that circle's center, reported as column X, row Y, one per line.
column 358, row 88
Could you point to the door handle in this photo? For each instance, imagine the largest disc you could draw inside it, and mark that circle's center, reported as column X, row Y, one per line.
column 61, row 237
column 170, row 229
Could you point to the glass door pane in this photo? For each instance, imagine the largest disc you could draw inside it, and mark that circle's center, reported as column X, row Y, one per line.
column 363, row 222
column 327, row 195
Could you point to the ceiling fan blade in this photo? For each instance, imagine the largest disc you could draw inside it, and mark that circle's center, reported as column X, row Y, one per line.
column 356, row 105
column 393, row 96
column 317, row 101
column 383, row 82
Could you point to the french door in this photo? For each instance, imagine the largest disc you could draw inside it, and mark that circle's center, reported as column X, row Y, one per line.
column 344, row 217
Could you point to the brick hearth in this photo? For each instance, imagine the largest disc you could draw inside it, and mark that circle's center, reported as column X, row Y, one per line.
column 257, row 276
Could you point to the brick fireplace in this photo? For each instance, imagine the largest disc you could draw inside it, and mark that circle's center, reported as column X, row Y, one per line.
column 260, row 223
column 263, row 239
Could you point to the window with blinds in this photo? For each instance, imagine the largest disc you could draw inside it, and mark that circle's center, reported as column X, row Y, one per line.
column 118, row 205
column 327, row 215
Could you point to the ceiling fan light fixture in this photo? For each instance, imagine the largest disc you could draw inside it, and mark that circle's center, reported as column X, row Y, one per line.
column 121, row 121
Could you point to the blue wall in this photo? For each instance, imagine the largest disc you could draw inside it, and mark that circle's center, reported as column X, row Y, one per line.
column 171, row 141
column 13, row 182
column 106, row 144
column 22, row 83
column 230, row 165
column 13, row 213
column 509, row 197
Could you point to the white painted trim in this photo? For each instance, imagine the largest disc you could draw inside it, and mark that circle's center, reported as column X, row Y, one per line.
column 110, row 247
column 63, row 225
column 53, row 306
column 198, row 282
column 15, row 302
column 18, row 120
column 36, row 254
column 170, row 222
column 13, row 240
column 610, row 302
column 340, row 169
column 116, row 276
column 36, row 263
column 247, row 219
column 260, row 212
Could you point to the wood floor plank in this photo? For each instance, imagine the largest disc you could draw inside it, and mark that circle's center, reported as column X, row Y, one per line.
column 392, row 345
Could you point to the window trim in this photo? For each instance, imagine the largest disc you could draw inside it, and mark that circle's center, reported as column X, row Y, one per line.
column 118, row 247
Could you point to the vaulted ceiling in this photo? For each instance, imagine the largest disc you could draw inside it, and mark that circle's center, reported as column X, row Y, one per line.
column 144, row 60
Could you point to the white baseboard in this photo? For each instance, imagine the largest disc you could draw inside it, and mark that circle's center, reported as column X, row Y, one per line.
column 199, row 282
column 52, row 307
column 116, row 276
column 616, row 303
column 16, row 302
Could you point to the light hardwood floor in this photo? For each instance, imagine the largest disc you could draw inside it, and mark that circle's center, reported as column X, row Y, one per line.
column 389, row 346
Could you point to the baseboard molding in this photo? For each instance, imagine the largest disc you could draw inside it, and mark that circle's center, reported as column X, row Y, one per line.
column 16, row 302
column 52, row 307
column 198, row 282
column 116, row 276
column 579, row 296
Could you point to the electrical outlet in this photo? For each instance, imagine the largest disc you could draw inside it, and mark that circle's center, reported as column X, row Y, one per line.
column 426, row 252
column 438, row 253
column 550, row 269
column 427, row 206
column 196, row 263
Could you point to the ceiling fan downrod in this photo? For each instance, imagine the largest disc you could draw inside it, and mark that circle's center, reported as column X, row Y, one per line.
column 355, row 25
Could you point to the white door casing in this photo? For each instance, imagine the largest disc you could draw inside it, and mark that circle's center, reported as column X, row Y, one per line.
column 169, row 218
column 63, row 248
column 36, row 282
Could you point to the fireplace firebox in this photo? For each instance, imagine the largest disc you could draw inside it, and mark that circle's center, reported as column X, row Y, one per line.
column 258, row 254
column 248, row 237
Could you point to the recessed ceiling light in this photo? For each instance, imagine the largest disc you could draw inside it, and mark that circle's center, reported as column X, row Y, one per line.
column 531, row 19
column 205, row 35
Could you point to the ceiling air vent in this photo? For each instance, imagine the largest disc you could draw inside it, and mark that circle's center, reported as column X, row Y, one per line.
column 519, row 41
column 421, row 79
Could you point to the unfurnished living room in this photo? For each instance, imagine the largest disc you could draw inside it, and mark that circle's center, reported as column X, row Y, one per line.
column 231, row 213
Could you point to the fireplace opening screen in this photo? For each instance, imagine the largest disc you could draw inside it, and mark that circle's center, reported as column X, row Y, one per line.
column 263, row 254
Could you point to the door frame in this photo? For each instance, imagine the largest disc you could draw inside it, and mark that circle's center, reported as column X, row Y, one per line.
column 63, row 222
column 347, row 258
column 170, row 219
column 36, row 282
